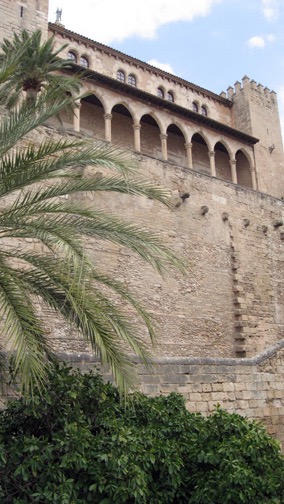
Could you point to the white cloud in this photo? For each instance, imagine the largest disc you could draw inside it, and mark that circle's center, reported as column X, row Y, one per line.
column 256, row 41
column 270, row 9
column 113, row 20
column 163, row 66
column 260, row 41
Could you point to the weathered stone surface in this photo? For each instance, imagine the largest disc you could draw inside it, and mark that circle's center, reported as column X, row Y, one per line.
column 220, row 327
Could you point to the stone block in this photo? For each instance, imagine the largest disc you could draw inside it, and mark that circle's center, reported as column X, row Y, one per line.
column 195, row 396
column 218, row 396
column 202, row 407
column 206, row 387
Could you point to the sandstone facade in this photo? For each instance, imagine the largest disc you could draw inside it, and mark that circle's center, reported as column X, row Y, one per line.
column 221, row 327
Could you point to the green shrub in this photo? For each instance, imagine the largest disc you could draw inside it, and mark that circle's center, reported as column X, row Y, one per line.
column 78, row 443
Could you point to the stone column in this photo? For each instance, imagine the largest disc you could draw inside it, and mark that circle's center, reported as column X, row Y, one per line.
column 137, row 145
column 253, row 178
column 188, row 147
column 108, row 118
column 76, row 116
column 233, row 164
column 211, row 155
column 163, row 137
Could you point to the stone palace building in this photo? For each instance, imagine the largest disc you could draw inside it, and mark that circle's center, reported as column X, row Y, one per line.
column 221, row 327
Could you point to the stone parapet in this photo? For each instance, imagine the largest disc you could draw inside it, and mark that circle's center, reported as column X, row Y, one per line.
column 251, row 387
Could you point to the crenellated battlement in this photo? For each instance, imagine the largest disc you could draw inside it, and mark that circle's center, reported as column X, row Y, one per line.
column 248, row 86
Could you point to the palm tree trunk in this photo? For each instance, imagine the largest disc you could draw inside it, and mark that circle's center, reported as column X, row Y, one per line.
column 31, row 96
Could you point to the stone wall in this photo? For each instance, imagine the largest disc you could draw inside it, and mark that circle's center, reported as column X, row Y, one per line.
column 250, row 387
column 30, row 15
column 230, row 302
column 229, row 307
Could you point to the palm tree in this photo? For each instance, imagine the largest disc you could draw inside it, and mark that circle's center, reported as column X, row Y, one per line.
column 55, row 272
column 36, row 69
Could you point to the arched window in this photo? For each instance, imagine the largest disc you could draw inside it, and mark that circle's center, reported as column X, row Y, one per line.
column 84, row 62
column 204, row 110
column 195, row 107
column 170, row 97
column 120, row 75
column 160, row 92
column 132, row 80
column 71, row 55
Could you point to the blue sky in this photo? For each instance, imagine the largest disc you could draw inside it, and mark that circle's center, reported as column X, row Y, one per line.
column 212, row 43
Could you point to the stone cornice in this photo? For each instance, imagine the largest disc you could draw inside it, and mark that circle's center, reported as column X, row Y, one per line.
column 260, row 358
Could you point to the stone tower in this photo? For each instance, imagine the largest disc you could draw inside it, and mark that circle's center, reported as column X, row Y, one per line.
column 255, row 111
column 17, row 15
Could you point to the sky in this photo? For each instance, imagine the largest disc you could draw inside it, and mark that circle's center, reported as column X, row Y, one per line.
column 212, row 43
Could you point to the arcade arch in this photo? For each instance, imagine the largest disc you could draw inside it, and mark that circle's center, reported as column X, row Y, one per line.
column 200, row 158
column 101, row 117
column 243, row 169
column 222, row 162
column 92, row 121
column 150, row 136
column 176, row 151
column 122, row 126
column 64, row 120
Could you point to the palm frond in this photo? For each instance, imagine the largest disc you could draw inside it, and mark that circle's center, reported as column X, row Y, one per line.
column 23, row 333
column 18, row 123
column 34, row 183
column 34, row 68
column 97, row 183
column 70, row 292
column 55, row 223
column 29, row 167
column 9, row 64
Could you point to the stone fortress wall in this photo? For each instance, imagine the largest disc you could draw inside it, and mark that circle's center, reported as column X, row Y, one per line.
column 221, row 326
